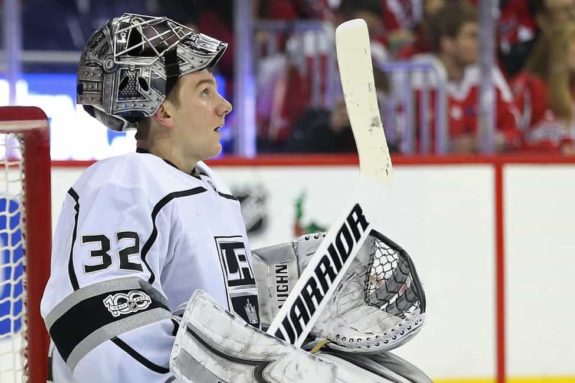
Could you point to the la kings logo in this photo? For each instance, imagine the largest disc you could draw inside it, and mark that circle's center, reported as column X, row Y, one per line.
column 241, row 282
column 126, row 303
column 235, row 261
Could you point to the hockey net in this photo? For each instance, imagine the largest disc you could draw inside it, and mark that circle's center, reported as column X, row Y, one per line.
column 25, row 241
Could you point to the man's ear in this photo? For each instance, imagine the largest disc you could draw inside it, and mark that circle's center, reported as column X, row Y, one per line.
column 163, row 115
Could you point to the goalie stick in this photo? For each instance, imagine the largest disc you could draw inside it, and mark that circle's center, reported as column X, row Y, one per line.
column 365, row 209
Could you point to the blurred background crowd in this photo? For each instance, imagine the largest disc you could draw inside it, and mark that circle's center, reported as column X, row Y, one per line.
column 426, row 65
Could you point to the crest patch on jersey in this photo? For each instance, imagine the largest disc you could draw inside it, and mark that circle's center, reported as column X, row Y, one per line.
column 241, row 283
column 251, row 313
column 125, row 303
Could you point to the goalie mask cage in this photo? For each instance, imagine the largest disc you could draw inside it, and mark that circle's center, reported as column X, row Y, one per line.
column 25, row 242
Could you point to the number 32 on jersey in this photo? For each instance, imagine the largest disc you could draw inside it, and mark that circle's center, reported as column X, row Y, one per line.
column 100, row 258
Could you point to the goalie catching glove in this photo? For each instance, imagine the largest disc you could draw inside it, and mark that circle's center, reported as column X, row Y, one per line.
column 378, row 306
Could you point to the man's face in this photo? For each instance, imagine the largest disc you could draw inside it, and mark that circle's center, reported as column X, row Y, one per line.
column 465, row 46
column 199, row 116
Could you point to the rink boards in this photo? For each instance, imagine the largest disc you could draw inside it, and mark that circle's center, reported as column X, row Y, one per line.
column 457, row 218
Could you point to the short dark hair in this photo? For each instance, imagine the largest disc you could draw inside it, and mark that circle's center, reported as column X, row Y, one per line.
column 348, row 7
column 536, row 7
column 174, row 95
column 448, row 22
column 144, row 123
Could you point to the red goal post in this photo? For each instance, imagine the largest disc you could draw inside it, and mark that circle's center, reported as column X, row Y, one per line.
column 25, row 193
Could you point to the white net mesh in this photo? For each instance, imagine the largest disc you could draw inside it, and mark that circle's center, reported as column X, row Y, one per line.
column 390, row 283
column 12, row 262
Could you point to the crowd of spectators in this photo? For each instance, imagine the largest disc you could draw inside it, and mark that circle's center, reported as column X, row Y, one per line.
column 534, row 77
column 454, row 52
column 300, row 110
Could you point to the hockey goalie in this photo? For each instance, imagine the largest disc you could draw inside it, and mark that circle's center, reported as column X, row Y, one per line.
column 152, row 277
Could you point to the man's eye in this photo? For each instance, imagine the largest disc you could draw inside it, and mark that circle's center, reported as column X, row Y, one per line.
column 206, row 91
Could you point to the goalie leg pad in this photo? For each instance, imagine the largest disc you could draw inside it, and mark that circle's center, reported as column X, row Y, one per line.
column 213, row 345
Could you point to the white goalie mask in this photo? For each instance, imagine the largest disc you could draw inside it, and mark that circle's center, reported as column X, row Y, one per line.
column 130, row 65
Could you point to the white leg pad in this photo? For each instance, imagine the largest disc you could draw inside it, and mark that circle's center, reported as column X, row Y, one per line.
column 214, row 345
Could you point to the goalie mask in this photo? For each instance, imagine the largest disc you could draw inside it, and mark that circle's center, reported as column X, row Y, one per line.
column 131, row 64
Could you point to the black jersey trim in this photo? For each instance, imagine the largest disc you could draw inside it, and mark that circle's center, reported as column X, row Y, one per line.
column 139, row 357
column 176, row 325
column 228, row 196
column 163, row 202
column 224, row 195
column 49, row 372
column 97, row 313
column 145, row 151
column 71, row 272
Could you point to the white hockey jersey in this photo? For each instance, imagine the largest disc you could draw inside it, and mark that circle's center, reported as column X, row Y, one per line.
column 135, row 238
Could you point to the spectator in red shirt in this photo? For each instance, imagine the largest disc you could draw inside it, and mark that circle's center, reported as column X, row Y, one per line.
column 455, row 42
column 545, row 92
column 288, row 75
column 516, row 31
